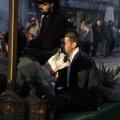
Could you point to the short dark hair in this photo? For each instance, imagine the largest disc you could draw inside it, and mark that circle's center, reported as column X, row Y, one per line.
column 110, row 21
column 72, row 35
column 98, row 20
column 21, row 41
column 89, row 22
column 82, row 19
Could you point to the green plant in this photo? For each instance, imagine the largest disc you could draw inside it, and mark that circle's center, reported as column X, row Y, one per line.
column 108, row 75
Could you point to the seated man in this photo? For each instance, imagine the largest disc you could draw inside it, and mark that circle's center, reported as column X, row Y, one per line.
column 28, row 73
column 79, row 85
column 31, row 73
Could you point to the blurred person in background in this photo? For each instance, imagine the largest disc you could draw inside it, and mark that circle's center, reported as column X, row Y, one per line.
column 74, row 25
column 97, row 36
column 83, row 34
column 32, row 27
column 89, row 37
column 20, row 27
column 105, row 39
column 69, row 21
column 111, row 41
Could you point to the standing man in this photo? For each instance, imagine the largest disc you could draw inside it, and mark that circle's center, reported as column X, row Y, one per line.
column 97, row 33
column 106, row 37
column 80, row 87
column 111, row 40
column 54, row 23
column 89, row 38
column 83, row 34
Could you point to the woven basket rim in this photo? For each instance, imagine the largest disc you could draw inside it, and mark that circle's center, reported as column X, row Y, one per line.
column 8, row 96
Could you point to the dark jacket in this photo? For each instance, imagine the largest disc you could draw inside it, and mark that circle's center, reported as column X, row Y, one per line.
column 105, row 32
column 52, row 30
column 84, row 78
column 111, row 32
column 38, row 54
column 29, row 72
column 97, row 33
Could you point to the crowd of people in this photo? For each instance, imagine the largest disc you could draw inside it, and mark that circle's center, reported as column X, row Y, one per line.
column 91, row 35
column 77, row 87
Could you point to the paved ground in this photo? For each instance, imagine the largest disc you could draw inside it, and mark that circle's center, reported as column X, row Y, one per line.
column 112, row 61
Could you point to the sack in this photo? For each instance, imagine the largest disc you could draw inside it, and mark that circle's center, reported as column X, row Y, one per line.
column 111, row 94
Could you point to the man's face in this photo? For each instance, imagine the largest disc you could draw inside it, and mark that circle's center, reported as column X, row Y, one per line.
column 98, row 22
column 46, row 8
column 67, row 46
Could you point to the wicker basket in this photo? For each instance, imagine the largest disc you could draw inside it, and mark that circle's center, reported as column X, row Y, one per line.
column 35, row 107
column 12, row 107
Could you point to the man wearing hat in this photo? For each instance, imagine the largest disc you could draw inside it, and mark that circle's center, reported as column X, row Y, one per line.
column 54, row 23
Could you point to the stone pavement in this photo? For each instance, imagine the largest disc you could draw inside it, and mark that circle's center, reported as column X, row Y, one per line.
column 112, row 61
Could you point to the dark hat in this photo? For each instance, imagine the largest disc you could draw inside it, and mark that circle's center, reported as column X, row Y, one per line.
column 42, row 1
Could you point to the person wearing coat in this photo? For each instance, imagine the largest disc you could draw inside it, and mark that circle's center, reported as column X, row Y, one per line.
column 32, row 27
column 105, row 39
column 79, row 86
column 29, row 73
column 83, row 34
column 97, row 36
column 89, row 38
column 111, row 40
column 53, row 25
